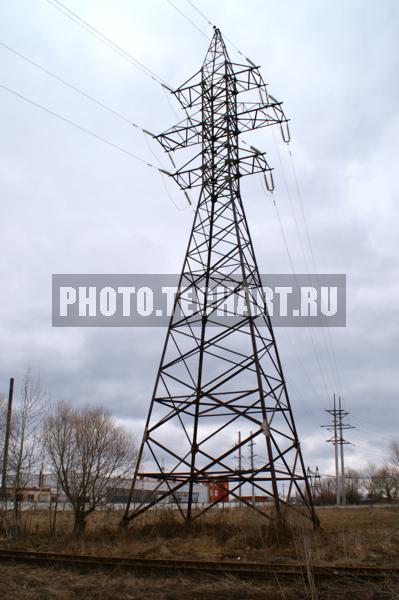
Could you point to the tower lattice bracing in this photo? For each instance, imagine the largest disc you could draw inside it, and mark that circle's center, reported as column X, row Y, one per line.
column 220, row 375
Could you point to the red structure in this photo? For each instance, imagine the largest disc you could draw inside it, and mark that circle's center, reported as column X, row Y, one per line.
column 256, row 499
column 218, row 491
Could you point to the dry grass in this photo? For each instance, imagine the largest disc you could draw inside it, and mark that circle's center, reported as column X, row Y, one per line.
column 347, row 536
column 40, row 584
column 36, row 583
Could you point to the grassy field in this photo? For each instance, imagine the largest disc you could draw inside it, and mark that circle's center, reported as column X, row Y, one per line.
column 24, row 583
column 347, row 536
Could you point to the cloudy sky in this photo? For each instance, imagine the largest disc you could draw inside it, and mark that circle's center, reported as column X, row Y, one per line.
column 72, row 204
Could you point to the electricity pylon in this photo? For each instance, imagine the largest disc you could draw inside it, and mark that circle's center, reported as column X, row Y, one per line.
column 338, row 441
column 314, row 479
column 217, row 374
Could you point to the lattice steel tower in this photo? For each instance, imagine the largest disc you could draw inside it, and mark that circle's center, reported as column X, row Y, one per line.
column 217, row 376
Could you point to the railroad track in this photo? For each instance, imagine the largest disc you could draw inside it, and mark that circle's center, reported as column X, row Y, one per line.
column 163, row 567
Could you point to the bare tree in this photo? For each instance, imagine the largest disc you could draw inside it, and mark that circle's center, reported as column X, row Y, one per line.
column 26, row 449
column 353, row 486
column 370, row 483
column 387, row 483
column 394, row 455
column 381, row 484
column 87, row 451
column 326, row 492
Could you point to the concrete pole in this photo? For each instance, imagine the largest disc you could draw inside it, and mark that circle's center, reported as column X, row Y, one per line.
column 239, row 453
column 239, row 460
column 337, row 477
column 341, row 443
column 252, row 460
column 310, row 479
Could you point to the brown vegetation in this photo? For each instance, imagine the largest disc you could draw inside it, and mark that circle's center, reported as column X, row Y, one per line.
column 347, row 535
column 26, row 583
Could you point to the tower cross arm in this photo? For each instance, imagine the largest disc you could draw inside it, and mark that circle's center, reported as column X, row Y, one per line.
column 250, row 162
column 247, row 78
column 189, row 94
column 184, row 134
column 256, row 115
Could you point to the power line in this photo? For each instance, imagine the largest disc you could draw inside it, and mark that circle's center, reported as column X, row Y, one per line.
column 105, row 40
column 97, row 137
column 293, row 271
column 289, row 196
column 172, row 108
column 373, row 433
column 200, row 13
column 283, row 235
column 298, row 395
column 77, row 126
column 296, row 280
column 300, row 362
column 369, row 424
column 187, row 19
column 145, row 132
column 329, row 475
column 327, row 335
column 294, row 274
column 213, row 25
column 74, row 88
column 161, row 174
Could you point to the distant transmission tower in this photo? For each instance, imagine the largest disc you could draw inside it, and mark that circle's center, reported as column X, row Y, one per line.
column 216, row 376
column 316, row 482
column 338, row 441
column 239, row 457
column 314, row 479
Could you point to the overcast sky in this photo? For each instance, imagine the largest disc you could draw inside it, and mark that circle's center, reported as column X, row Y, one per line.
column 72, row 204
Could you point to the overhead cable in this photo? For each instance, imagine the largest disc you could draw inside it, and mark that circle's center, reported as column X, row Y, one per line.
column 187, row 19
column 105, row 40
column 74, row 88
column 77, row 126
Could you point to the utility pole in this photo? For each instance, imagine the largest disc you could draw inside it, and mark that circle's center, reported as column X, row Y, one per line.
column 310, row 478
column 337, row 439
column 343, row 491
column 252, row 463
column 334, row 440
column 7, row 440
column 341, row 426
column 239, row 457
column 239, row 453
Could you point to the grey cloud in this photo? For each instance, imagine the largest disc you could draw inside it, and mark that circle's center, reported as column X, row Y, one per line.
column 71, row 204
